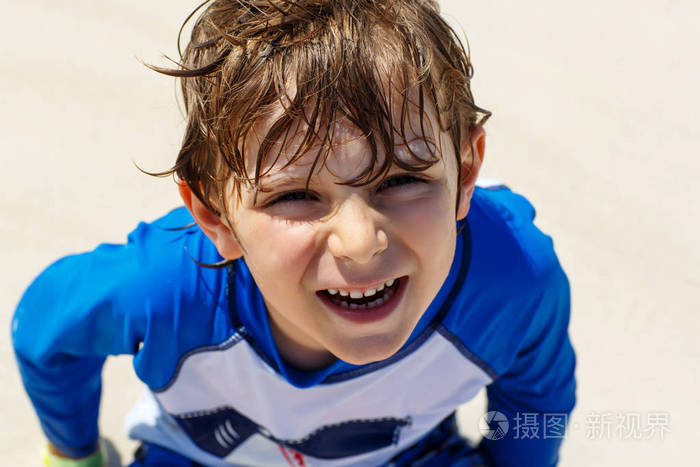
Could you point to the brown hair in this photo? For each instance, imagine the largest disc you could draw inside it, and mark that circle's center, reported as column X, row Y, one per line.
column 319, row 61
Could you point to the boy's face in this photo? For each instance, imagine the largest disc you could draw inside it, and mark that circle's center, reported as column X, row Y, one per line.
column 312, row 251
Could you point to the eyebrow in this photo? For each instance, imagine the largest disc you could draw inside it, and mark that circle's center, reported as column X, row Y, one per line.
column 266, row 185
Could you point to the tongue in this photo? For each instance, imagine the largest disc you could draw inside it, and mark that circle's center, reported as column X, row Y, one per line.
column 361, row 301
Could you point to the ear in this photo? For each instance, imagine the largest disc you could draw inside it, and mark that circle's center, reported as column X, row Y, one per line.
column 211, row 224
column 472, row 156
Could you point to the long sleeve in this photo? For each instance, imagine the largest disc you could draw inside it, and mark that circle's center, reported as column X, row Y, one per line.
column 69, row 319
column 537, row 393
column 146, row 297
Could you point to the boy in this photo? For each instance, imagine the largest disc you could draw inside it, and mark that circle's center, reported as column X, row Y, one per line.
column 324, row 299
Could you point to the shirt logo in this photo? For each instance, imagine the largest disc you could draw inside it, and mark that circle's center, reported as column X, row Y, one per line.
column 222, row 430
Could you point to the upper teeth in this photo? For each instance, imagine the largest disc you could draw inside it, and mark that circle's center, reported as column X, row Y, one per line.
column 361, row 293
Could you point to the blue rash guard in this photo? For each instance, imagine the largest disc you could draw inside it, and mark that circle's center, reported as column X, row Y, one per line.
column 219, row 392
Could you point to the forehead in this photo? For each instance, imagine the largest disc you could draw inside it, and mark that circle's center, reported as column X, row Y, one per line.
column 342, row 148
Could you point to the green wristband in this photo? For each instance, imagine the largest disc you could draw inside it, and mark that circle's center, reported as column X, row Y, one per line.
column 52, row 460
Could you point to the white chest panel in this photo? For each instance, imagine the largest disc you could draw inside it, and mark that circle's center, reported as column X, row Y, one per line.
column 418, row 390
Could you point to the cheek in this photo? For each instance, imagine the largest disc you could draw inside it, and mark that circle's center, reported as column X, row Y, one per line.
column 429, row 229
column 286, row 252
column 427, row 218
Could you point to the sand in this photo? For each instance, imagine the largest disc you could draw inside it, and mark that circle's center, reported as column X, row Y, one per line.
column 595, row 121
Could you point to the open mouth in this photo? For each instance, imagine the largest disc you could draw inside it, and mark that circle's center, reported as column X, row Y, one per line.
column 363, row 299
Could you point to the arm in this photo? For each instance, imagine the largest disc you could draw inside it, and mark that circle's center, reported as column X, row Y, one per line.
column 69, row 319
column 539, row 382
column 147, row 297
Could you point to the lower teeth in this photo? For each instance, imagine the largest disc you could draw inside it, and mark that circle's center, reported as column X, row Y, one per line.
column 388, row 293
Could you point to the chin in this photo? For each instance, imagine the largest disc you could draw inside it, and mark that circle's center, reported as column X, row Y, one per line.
column 366, row 351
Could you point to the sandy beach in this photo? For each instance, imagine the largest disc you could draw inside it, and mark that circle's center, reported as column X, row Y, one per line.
column 594, row 120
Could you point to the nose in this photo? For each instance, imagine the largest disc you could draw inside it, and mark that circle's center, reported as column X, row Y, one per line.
column 355, row 234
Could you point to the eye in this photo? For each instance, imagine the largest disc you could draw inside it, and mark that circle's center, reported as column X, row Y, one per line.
column 399, row 180
column 292, row 196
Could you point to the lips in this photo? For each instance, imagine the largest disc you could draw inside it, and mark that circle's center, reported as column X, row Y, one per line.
column 361, row 306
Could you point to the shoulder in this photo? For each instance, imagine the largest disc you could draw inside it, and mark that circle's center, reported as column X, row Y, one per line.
column 159, row 262
column 504, row 234
column 166, row 235
column 514, row 282
column 118, row 276
column 136, row 297
column 169, row 248
column 186, row 302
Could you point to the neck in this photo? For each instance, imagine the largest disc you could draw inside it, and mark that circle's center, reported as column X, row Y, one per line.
column 298, row 354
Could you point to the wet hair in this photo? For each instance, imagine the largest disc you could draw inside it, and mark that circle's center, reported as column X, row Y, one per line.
column 307, row 64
